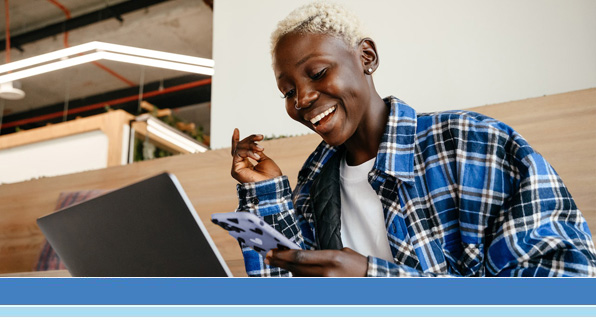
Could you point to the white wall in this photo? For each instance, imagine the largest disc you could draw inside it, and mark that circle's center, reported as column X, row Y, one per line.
column 435, row 55
column 76, row 153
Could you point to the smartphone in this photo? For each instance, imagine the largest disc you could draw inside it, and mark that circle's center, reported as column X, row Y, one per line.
column 252, row 231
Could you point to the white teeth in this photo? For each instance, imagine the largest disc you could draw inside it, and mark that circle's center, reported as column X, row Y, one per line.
column 322, row 115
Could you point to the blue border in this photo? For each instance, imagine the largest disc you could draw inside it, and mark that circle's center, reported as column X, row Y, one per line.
column 295, row 311
column 295, row 291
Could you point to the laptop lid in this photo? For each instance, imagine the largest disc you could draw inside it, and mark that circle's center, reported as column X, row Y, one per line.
column 147, row 229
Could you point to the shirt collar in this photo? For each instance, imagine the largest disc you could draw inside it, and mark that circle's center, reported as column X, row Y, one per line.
column 396, row 151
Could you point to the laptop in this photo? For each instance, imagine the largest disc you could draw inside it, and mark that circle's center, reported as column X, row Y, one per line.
column 147, row 229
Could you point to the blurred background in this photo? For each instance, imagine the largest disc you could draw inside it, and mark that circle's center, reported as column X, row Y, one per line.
column 177, row 98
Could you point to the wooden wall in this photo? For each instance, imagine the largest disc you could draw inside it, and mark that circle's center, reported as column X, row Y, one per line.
column 561, row 127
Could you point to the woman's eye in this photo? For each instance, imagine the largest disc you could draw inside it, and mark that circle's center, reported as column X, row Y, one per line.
column 318, row 75
column 288, row 94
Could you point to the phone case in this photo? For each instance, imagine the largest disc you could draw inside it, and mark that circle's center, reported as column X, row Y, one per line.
column 252, row 231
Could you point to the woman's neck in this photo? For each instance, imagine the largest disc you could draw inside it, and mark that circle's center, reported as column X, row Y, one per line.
column 363, row 145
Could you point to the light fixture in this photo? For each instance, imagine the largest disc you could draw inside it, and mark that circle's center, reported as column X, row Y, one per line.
column 48, row 67
column 11, row 91
column 96, row 50
column 171, row 135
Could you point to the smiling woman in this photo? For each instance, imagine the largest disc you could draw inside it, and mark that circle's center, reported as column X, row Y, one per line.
column 326, row 83
column 392, row 193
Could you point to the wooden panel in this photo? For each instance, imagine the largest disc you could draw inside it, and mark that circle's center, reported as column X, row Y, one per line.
column 44, row 274
column 110, row 123
column 561, row 127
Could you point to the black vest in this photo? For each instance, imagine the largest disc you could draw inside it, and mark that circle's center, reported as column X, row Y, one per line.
column 326, row 202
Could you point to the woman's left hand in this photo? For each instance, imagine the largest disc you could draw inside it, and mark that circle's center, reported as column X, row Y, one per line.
column 320, row 263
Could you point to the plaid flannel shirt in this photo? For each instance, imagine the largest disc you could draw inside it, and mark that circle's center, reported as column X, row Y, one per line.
column 462, row 194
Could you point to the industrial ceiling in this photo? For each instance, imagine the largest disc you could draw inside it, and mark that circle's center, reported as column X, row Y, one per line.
column 40, row 26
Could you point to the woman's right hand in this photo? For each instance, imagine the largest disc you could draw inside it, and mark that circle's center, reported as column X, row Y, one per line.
column 242, row 169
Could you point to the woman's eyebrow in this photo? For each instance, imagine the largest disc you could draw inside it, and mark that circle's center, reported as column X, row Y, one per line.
column 301, row 61
column 304, row 59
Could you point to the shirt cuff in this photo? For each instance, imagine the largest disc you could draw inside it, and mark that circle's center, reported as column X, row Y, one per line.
column 265, row 198
column 377, row 267
column 383, row 268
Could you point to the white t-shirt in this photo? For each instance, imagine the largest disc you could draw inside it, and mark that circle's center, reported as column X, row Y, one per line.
column 362, row 220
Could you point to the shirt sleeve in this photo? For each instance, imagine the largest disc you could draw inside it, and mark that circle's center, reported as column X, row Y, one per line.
column 542, row 233
column 272, row 201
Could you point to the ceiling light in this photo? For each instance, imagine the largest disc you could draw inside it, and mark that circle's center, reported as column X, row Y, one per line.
column 44, row 68
column 157, row 63
column 154, row 54
column 46, row 57
column 11, row 91
column 96, row 50
column 173, row 136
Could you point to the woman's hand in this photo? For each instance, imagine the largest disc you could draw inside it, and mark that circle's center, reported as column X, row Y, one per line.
column 321, row 263
column 242, row 169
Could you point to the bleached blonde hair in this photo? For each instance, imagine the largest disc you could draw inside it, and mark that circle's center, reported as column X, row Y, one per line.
column 321, row 17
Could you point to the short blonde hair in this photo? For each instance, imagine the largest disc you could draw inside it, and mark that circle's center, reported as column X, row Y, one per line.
column 322, row 18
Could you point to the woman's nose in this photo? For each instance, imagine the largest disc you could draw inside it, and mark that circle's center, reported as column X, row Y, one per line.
column 305, row 99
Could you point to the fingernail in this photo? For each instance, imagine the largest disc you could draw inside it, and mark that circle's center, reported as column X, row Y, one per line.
column 256, row 155
column 267, row 261
column 259, row 147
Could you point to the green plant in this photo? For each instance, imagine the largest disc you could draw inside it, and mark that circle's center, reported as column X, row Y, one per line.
column 140, row 152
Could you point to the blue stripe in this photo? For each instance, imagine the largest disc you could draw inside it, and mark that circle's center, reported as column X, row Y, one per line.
column 284, row 291
column 295, row 311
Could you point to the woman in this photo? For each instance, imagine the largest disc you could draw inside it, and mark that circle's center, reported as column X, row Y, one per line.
column 392, row 193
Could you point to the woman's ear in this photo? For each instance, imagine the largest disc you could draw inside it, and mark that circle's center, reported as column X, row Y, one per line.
column 368, row 55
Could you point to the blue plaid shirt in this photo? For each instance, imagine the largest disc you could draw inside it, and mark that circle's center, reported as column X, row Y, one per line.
column 462, row 194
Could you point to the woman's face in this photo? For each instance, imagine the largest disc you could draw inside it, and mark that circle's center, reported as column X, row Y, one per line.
column 323, row 84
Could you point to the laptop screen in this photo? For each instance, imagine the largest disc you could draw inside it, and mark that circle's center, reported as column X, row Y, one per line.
column 147, row 229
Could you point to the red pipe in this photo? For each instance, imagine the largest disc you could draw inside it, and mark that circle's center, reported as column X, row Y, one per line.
column 108, row 70
column 110, row 102
column 6, row 9
column 63, row 8
column 114, row 73
column 67, row 13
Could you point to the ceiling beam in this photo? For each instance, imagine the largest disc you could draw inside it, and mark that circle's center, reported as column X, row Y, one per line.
column 109, row 12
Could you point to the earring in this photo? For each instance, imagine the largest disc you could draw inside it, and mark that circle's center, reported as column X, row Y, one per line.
column 369, row 70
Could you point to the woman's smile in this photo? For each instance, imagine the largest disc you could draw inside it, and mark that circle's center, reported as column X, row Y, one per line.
column 326, row 123
column 323, row 115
